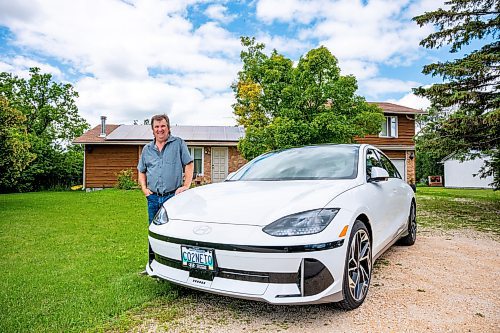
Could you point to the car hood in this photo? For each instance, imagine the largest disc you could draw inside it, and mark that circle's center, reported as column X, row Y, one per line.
column 253, row 202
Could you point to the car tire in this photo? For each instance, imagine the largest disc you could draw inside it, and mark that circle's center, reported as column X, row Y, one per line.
column 358, row 268
column 410, row 239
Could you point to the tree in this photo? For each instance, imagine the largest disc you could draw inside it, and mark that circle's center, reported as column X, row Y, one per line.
column 15, row 153
column 283, row 106
column 51, row 120
column 469, row 92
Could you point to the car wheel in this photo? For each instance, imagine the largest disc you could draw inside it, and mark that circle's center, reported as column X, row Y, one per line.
column 412, row 228
column 358, row 268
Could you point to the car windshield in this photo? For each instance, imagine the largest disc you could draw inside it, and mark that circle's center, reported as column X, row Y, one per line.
column 312, row 162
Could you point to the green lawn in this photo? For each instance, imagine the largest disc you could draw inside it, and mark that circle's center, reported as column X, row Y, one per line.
column 70, row 260
column 459, row 208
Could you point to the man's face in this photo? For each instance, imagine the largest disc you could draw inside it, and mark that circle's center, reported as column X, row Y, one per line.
column 160, row 130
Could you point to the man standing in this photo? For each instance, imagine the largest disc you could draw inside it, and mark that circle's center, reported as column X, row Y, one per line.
column 161, row 164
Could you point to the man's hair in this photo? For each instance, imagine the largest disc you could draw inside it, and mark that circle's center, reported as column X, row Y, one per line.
column 160, row 117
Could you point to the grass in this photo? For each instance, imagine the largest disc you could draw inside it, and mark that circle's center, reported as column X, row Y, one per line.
column 70, row 260
column 459, row 208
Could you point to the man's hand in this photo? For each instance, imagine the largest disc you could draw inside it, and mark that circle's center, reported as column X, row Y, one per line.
column 146, row 191
column 181, row 189
column 142, row 182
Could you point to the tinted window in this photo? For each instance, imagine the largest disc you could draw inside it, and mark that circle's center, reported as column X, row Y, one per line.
column 391, row 169
column 314, row 162
column 372, row 160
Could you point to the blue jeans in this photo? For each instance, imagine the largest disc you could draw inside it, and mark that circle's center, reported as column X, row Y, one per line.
column 154, row 204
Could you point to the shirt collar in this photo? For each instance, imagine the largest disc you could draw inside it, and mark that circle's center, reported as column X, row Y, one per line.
column 169, row 139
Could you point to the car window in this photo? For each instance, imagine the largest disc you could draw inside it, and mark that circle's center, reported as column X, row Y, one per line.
column 312, row 162
column 391, row 169
column 372, row 160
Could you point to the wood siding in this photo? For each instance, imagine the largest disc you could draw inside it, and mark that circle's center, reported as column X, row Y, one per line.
column 103, row 162
column 406, row 132
column 395, row 153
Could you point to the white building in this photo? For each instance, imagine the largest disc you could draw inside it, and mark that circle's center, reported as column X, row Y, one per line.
column 459, row 174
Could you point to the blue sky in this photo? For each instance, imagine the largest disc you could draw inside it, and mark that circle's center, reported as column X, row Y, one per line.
column 131, row 59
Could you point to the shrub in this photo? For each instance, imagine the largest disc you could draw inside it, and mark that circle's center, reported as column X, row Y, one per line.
column 125, row 180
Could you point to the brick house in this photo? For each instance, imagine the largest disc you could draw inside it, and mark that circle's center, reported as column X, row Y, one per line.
column 214, row 148
column 118, row 147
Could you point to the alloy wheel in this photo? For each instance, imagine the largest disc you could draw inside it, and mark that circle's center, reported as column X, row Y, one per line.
column 359, row 265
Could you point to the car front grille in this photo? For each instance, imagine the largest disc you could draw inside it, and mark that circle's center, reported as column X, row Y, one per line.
column 312, row 278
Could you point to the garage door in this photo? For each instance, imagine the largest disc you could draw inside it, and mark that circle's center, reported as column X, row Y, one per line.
column 400, row 164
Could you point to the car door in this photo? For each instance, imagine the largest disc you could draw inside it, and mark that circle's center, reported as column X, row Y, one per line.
column 399, row 211
column 382, row 201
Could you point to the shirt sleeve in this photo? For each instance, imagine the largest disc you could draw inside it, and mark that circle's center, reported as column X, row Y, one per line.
column 141, row 166
column 185, row 155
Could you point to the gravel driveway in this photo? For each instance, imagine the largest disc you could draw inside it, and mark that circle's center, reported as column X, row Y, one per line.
column 446, row 282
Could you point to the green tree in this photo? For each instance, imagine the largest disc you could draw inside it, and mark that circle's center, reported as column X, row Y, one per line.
column 468, row 97
column 51, row 121
column 429, row 150
column 15, row 153
column 283, row 106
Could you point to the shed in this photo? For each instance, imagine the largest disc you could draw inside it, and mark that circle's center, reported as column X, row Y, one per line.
column 463, row 174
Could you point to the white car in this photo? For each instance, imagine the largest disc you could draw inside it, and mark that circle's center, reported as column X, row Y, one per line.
column 294, row 226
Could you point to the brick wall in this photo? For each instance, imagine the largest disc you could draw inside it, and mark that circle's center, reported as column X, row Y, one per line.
column 236, row 161
column 410, row 167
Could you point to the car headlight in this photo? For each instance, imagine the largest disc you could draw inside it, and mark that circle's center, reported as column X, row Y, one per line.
column 304, row 223
column 161, row 216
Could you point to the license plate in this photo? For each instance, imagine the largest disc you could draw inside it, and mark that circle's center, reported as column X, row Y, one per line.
column 198, row 258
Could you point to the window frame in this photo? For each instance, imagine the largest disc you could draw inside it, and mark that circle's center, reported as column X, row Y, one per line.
column 191, row 152
column 387, row 124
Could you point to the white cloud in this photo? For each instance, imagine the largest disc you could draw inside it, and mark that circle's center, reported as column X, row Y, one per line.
column 363, row 35
column 289, row 10
column 219, row 12
column 413, row 101
column 124, row 101
column 139, row 58
column 20, row 65
column 290, row 46
column 375, row 88
column 360, row 69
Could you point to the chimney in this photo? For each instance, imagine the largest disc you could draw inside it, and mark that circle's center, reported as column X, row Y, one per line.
column 103, row 127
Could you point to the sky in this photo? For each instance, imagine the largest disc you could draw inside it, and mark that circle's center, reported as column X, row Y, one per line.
column 131, row 59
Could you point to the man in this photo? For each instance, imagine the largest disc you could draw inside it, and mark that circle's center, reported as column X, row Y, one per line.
column 161, row 164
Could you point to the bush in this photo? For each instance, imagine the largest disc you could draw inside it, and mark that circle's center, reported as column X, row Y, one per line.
column 125, row 180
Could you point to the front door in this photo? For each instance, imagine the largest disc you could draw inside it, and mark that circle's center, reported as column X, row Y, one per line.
column 219, row 164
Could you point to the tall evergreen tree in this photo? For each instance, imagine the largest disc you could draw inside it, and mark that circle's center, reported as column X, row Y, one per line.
column 469, row 91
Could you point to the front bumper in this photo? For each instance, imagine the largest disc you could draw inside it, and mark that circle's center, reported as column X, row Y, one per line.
column 300, row 274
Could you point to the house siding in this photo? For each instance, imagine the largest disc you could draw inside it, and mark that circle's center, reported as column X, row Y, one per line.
column 406, row 132
column 103, row 162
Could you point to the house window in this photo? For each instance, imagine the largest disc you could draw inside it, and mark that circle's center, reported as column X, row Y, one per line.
column 197, row 155
column 390, row 127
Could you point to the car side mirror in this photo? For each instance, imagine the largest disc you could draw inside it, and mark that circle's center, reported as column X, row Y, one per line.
column 230, row 175
column 378, row 174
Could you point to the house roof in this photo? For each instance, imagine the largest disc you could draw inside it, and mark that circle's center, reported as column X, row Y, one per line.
column 140, row 134
column 395, row 108
column 92, row 136
column 143, row 134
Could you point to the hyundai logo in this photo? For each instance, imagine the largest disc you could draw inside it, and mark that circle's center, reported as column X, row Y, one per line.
column 202, row 230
